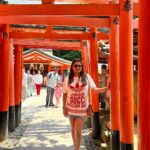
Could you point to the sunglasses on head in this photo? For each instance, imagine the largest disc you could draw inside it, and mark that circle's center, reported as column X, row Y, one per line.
column 77, row 66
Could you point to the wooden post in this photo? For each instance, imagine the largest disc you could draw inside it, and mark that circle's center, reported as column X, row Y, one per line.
column 49, row 68
column 85, row 58
column 11, row 125
column 4, row 82
column 94, row 73
column 126, row 74
column 18, row 79
column 21, row 71
column 144, row 77
column 86, row 63
column 114, row 78
column 61, row 69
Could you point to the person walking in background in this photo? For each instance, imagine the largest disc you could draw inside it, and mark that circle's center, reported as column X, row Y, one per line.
column 29, row 84
column 58, row 93
column 75, row 98
column 24, row 85
column 103, row 82
column 45, row 82
column 33, row 80
column 38, row 82
column 52, row 78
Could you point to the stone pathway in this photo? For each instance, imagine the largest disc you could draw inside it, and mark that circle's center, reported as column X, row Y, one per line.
column 45, row 129
column 48, row 129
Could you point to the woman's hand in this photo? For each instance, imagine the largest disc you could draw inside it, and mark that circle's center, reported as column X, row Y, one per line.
column 65, row 111
column 100, row 90
column 108, row 86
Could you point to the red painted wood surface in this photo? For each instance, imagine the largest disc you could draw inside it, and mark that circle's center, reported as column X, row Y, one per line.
column 40, row 58
column 114, row 75
column 46, row 43
column 94, row 68
column 18, row 75
column 65, row 9
column 144, row 76
column 11, row 78
column 4, row 70
column 126, row 74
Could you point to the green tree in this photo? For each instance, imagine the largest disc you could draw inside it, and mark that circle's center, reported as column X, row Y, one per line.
column 68, row 55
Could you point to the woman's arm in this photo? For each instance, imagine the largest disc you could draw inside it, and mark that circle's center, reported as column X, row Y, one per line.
column 100, row 90
column 65, row 112
column 93, row 87
column 64, row 99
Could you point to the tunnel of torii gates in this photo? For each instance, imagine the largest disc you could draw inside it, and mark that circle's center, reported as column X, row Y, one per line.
column 121, row 52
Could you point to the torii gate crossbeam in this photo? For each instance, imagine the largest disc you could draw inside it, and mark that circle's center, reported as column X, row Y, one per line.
column 50, row 9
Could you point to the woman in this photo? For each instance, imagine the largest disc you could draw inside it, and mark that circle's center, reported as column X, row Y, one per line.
column 75, row 98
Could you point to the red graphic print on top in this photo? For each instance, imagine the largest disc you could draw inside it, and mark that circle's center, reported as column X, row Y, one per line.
column 77, row 99
column 77, row 87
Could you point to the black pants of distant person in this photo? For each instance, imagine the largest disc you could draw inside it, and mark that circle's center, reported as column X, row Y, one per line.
column 49, row 97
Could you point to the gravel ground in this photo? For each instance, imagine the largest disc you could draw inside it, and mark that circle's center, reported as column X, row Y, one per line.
column 40, row 128
column 35, row 106
column 14, row 137
column 33, row 109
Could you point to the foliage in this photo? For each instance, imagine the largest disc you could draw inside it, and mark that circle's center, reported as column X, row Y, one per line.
column 25, row 49
column 68, row 55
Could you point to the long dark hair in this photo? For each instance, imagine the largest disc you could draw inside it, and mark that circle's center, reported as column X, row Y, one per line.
column 82, row 75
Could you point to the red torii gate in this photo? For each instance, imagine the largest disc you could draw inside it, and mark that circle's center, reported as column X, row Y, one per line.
column 48, row 44
column 58, row 20
column 94, row 65
column 65, row 9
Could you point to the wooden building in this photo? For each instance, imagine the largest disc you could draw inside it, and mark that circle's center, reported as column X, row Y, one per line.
column 43, row 60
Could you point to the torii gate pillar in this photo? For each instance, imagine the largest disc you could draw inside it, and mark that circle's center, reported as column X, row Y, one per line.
column 4, row 82
column 126, row 75
column 94, row 73
column 84, row 53
column 85, row 60
column 11, row 125
column 144, row 76
column 114, row 78
column 18, row 82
